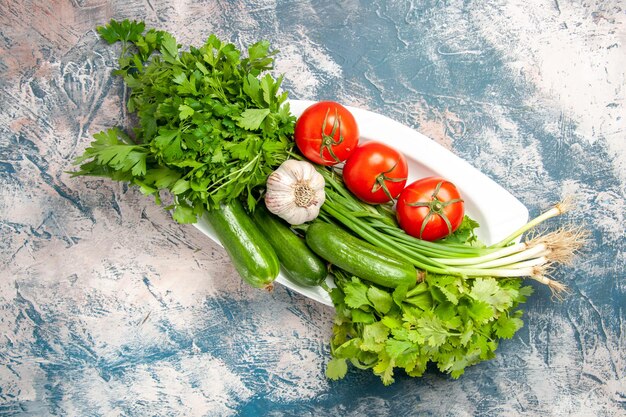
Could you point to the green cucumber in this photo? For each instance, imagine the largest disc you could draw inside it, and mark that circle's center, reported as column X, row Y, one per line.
column 300, row 264
column 359, row 257
column 251, row 253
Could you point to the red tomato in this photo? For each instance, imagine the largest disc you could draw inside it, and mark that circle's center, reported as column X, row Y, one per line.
column 375, row 172
column 430, row 208
column 326, row 133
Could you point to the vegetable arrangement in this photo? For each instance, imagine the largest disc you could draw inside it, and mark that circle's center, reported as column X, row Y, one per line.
column 465, row 297
column 412, row 283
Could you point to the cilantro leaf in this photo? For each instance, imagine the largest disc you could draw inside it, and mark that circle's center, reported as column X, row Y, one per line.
column 349, row 349
column 391, row 321
column 506, row 327
column 396, row 348
column 446, row 320
column 337, row 296
column 480, row 311
column 380, row 299
column 432, row 330
column 524, row 292
column 488, row 291
column 448, row 294
column 399, row 294
column 423, row 301
column 336, row 368
column 465, row 233
column 384, row 368
column 374, row 336
column 360, row 316
column 466, row 335
column 356, row 293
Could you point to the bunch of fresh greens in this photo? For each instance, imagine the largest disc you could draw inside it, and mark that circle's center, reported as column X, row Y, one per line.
column 464, row 301
column 212, row 125
column 450, row 321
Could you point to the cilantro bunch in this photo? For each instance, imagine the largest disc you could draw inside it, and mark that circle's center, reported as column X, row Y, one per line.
column 211, row 124
column 447, row 320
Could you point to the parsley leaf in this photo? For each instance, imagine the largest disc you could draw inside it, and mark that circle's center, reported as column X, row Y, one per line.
column 121, row 31
column 251, row 119
column 211, row 124
column 185, row 111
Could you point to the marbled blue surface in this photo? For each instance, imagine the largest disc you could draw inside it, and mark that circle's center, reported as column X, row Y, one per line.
column 108, row 307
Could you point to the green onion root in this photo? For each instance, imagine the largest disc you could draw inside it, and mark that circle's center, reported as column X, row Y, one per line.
column 559, row 290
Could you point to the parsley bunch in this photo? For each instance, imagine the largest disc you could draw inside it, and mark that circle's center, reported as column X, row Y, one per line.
column 448, row 320
column 212, row 125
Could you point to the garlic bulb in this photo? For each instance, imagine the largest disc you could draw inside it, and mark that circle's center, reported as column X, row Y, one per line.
column 295, row 192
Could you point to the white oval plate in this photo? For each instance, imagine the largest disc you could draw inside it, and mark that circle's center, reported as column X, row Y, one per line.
column 498, row 212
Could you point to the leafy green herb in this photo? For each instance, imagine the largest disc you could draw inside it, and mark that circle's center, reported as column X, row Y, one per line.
column 405, row 334
column 465, row 233
column 450, row 320
column 212, row 125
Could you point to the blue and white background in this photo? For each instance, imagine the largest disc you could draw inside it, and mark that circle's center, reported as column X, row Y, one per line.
column 110, row 308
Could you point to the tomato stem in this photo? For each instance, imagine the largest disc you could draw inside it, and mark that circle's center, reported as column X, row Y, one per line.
column 328, row 141
column 436, row 207
column 380, row 182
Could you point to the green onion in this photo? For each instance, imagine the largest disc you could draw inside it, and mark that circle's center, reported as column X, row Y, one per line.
column 532, row 258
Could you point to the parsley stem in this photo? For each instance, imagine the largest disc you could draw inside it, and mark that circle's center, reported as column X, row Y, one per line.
column 235, row 175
